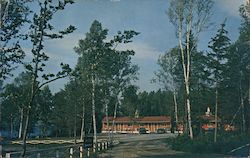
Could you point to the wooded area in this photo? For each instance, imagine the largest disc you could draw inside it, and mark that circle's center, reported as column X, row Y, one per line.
column 102, row 82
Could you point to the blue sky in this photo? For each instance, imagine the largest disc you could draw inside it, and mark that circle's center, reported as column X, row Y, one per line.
column 145, row 16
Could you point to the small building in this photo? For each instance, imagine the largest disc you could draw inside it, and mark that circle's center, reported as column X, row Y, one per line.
column 207, row 121
column 131, row 125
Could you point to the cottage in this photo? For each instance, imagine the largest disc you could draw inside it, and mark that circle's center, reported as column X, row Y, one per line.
column 131, row 125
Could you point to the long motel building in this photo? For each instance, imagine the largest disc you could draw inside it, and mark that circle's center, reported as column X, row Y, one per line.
column 131, row 125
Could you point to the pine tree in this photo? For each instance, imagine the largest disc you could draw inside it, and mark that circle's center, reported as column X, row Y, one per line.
column 220, row 46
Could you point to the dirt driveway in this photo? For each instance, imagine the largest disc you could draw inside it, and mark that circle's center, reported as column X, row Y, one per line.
column 148, row 146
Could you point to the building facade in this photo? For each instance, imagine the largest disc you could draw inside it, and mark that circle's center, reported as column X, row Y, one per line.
column 131, row 125
column 208, row 121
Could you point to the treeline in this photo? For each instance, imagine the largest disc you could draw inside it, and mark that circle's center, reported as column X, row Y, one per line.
column 218, row 78
column 101, row 83
column 57, row 114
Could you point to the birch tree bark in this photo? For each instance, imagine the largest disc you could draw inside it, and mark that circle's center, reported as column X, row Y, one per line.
column 83, row 121
column 21, row 123
column 93, row 106
column 176, row 110
column 187, row 16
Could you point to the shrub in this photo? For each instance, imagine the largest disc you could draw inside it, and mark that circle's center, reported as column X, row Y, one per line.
column 205, row 144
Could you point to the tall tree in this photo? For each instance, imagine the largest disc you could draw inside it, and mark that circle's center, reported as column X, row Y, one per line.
column 130, row 101
column 102, row 65
column 243, row 44
column 16, row 95
column 187, row 16
column 168, row 76
column 41, row 29
column 43, row 110
column 13, row 15
column 220, row 46
column 91, row 50
column 239, row 71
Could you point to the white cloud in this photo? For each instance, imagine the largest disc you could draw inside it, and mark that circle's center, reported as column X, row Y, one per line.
column 146, row 58
column 142, row 51
column 62, row 50
column 66, row 44
column 231, row 6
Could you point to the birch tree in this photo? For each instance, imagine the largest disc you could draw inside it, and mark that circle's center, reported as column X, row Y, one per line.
column 40, row 30
column 101, row 64
column 189, row 16
column 18, row 93
column 13, row 16
column 168, row 77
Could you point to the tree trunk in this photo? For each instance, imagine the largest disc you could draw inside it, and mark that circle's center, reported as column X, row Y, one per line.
column 21, row 123
column 113, row 122
column 188, row 54
column 243, row 116
column 32, row 96
column 25, row 131
column 75, row 125
column 93, row 108
column 216, row 114
column 242, row 107
column 176, row 110
column 83, row 119
column 186, row 69
column 189, row 117
column 11, row 125
column 107, row 120
column 249, row 91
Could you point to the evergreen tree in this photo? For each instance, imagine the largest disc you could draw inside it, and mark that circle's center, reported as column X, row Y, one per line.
column 220, row 46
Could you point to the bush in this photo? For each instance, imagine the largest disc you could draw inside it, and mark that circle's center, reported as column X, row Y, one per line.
column 205, row 144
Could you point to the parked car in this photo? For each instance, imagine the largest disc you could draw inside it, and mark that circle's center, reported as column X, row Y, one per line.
column 142, row 130
column 160, row 131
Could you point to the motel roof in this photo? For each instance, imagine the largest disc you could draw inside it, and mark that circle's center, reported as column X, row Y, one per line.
column 146, row 119
column 209, row 118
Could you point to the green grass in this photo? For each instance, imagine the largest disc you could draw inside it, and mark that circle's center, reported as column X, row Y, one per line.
column 204, row 143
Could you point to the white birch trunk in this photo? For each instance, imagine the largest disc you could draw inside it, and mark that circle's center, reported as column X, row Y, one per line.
column 93, row 108
column 107, row 120
column 83, row 118
column 20, row 124
column 113, row 122
column 186, row 77
column 176, row 110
